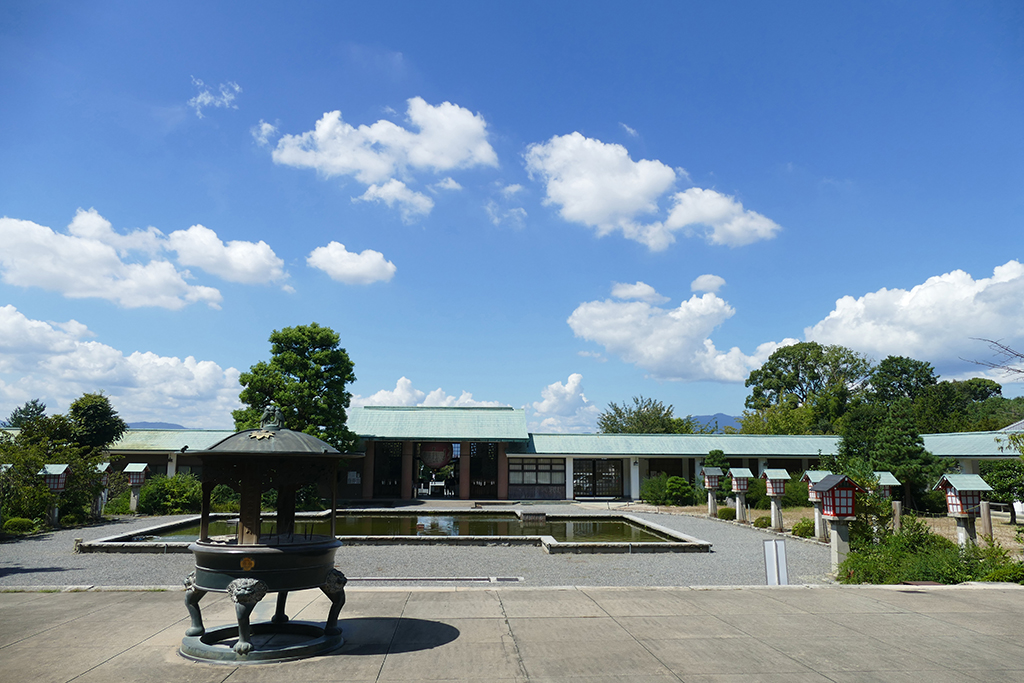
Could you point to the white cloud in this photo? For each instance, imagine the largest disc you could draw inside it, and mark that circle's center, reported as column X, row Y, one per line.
column 516, row 216
column 94, row 261
column 204, row 98
column 728, row 222
column 446, row 184
column 600, row 186
column 89, row 266
column 564, row 408
column 511, row 190
column 237, row 261
column 355, row 269
column 599, row 357
column 447, row 137
column 394, row 192
column 672, row 344
column 404, row 394
column 54, row 361
column 262, row 132
column 629, row 131
column 933, row 321
column 707, row 283
column 641, row 291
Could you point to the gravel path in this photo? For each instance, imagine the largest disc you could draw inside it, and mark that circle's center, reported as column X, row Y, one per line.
column 737, row 559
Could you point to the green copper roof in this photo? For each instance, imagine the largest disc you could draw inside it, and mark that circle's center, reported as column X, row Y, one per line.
column 814, row 476
column 741, row 473
column 963, row 482
column 966, row 444
column 777, row 474
column 439, row 424
column 886, row 478
column 682, row 445
column 168, row 439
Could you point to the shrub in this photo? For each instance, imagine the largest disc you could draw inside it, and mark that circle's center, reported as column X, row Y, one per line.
column 804, row 528
column 20, row 525
column 71, row 519
column 763, row 522
column 727, row 513
column 175, row 495
column 118, row 505
column 678, row 491
column 916, row 554
column 224, row 499
column 1011, row 573
column 652, row 490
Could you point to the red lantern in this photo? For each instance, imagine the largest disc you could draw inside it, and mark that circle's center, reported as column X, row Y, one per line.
column 435, row 455
column 812, row 477
column 838, row 496
column 711, row 477
column 963, row 493
column 775, row 481
column 741, row 477
column 136, row 472
column 56, row 476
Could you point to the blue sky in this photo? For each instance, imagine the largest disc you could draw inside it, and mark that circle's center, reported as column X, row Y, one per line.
column 544, row 205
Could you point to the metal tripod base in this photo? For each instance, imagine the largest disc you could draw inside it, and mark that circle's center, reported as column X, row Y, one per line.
column 276, row 643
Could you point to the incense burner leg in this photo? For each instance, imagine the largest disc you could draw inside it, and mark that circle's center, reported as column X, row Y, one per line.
column 334, row 589
column 245, row 593
column 193, row 595
column 279, row 616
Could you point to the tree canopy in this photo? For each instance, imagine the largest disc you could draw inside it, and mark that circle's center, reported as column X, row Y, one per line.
column 25, row 413
column 306, row 377
column 647, row 416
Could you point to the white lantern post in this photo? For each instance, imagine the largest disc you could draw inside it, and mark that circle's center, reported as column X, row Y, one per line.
column 963, row 502
column 103, row 469
column 136, row 472
column 775, row 483
column 838, row 495
column 741, row 477
column 711, row 478
column 812, row 477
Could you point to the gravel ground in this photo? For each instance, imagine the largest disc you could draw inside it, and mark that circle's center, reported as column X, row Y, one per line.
column 737, row 559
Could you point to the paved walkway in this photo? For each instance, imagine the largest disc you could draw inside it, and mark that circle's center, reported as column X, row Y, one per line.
column 581, row 635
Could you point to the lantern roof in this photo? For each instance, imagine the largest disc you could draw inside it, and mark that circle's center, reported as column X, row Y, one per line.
column 103, row 467
column 136, row 467
column 775, row 474
column 814, row 476
column 53, row 469
column 831, row 481
column 962, row 482
column 886, row 478
column 741, row 473
column 712, row 471
column 5, row 466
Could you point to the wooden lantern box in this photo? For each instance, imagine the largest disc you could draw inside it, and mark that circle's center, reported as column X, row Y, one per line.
column 812, row 477
column 711, row 477
column 741, row 477
column 56, row 477
column 775, row 481
column 963, row 493
column 838, row 496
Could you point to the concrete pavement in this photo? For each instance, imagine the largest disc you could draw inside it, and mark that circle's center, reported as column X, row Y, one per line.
column 581, row 635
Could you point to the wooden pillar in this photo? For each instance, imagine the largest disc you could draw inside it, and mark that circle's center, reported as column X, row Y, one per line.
column 502, row 472
column 464, row 470
column 249, row 511
column 406, row 489
column 368, row 470
column 204, row 511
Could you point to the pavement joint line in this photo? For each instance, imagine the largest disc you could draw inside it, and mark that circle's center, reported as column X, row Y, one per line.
column 512, row 638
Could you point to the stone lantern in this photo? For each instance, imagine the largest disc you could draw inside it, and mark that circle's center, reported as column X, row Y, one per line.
column 103, row 469
column 812, row 477
column 711, row 477
column 136, row 472
column 775, row 485
column 838, row 496
column 265, row 556
column 963, row 502
column 56, row 477
column 741, row 477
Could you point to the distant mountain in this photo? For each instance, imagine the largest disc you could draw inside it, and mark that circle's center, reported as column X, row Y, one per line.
column 722, row 419
column 154, row 425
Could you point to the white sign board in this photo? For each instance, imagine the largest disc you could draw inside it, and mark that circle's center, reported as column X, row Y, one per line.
column 775, row 563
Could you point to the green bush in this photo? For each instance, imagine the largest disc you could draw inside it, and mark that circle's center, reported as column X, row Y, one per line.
column 763, row 522
column 223, row 498
column 727, row 513
column 175, row 495
column 71, row 519
column 20, row 525
column 916, row 554
column 652, row 490
column 1013, row 573
column 118, row 505
column 678, row 491
column 804, row 528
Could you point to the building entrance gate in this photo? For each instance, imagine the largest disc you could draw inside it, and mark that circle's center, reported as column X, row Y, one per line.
column 598, row 477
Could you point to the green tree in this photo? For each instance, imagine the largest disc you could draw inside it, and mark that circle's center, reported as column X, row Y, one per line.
column 900, row 449
column 306, row 377
column 647, row 416
column 1006, row 477
column 29, row 411
column 96, row 423
column 900, row 377
column 945, row 406
column 823, row 380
